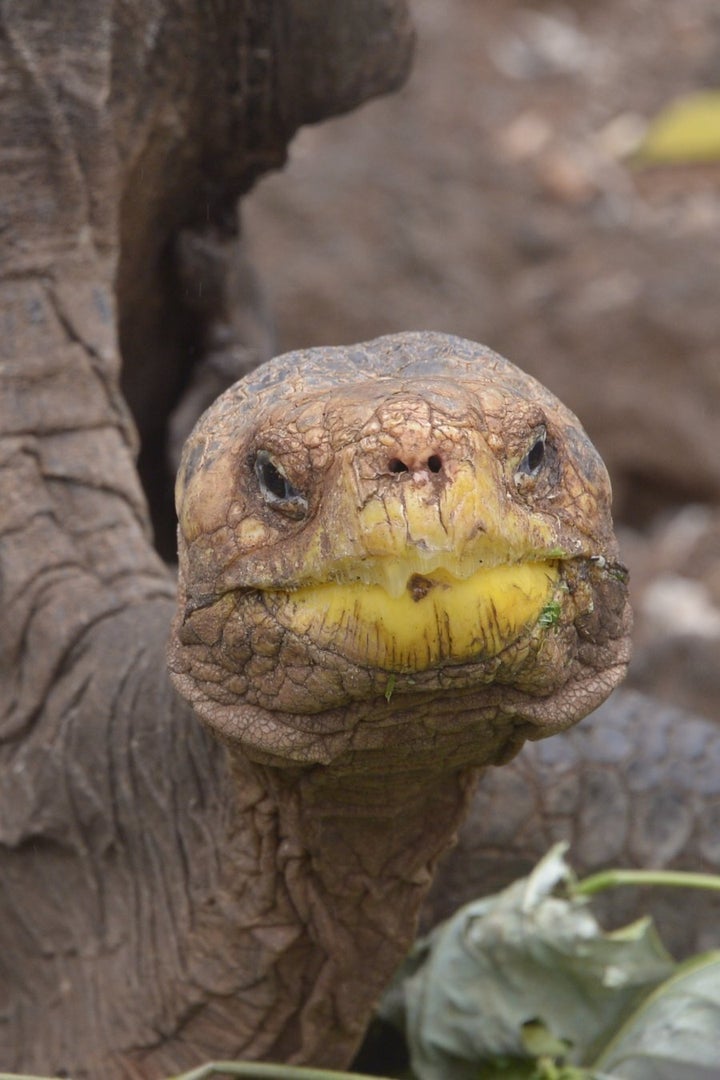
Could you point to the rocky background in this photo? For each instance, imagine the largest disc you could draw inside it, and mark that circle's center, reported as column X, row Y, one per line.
column 496, row 197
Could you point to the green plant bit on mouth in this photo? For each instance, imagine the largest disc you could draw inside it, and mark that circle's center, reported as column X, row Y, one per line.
column 550, row 614
column 556, row 553
column 390, row 687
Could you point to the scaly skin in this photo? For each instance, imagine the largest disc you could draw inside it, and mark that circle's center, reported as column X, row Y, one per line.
column 636, row 784
column 122, row 848
column 407, row 465
column 164, row 900
column 364, row 759
column 190, row 910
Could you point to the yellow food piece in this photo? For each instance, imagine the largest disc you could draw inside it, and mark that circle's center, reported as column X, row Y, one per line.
column 687, row 131
column 437, row 618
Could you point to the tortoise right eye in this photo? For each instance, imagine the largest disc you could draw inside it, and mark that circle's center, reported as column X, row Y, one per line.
column 276, row 489
column 533, row 460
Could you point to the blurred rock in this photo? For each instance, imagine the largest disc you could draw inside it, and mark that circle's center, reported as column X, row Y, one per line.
column 543, row 45
column 492, row 198
column 675, row 587
column 636, row 783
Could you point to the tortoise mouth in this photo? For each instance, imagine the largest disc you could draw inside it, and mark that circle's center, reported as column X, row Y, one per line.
column 437, row 618
column 271, row 668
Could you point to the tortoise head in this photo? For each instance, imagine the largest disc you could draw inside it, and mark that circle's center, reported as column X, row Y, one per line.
column 394, row 554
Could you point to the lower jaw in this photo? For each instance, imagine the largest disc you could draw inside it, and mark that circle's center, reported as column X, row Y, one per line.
column 438, row 620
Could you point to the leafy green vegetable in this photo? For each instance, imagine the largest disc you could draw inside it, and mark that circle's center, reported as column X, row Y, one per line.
column 675, row 1033
column 524, row 957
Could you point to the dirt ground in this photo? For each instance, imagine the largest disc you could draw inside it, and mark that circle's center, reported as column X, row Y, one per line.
column 495, row 197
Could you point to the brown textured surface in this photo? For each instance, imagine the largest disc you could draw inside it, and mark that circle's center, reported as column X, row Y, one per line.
column 635, row 784
column 334, row 419
column 119, row 125
column 153, row 913
column 366, row 789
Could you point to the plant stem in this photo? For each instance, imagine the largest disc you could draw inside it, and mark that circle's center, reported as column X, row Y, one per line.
column 258, row 1071
column 609, row 879
column 250, row 1070
column 22, row 1076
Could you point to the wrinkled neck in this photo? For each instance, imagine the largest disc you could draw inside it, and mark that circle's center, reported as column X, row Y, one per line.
column 324, row 875
column 354, row 856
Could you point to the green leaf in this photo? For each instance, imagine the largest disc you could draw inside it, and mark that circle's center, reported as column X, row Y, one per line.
column 675, row 1033
column 550, row 614
column 525, row 956
column 687, row 131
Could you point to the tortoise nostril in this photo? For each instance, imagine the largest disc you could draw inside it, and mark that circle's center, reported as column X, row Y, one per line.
column 433, row 464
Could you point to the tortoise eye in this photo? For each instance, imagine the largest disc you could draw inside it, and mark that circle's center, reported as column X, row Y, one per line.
column 533, row 460
column 276, row 489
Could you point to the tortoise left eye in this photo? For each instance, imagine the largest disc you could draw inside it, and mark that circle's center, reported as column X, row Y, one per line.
column 276, row 489
column 533, row 460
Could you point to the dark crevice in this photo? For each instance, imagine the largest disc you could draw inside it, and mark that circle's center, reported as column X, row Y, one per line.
column 160, row 340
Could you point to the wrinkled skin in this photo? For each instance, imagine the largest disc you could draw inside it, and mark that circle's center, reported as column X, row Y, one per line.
column 635, row 784
column 165, row 899
column 318, row 476
column 127, row 132
column 287, row 682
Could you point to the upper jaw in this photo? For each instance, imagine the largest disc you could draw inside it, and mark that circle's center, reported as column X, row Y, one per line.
column 331, row 551
column 366, row 524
